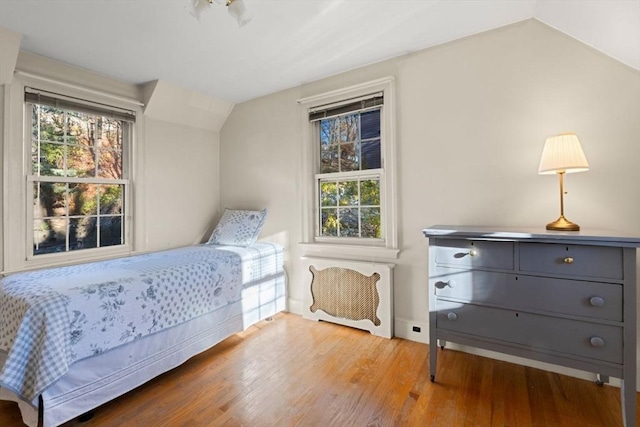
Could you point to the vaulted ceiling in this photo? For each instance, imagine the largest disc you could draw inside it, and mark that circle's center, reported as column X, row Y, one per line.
column 288, row 42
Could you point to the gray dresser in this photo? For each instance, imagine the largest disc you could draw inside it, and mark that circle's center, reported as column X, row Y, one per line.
column 567, row 298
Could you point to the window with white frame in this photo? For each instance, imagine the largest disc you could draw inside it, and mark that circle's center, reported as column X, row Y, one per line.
column 348, row 164
column 78, row 180
column 349, row 169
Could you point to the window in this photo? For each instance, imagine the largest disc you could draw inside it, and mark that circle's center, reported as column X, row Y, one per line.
column 78, row 182
column 348, row 172
column 350, row 164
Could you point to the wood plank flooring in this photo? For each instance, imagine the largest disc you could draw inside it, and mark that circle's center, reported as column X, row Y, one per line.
column 295, row 372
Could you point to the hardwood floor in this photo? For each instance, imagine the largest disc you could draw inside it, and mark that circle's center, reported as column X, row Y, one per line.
column 295, row 372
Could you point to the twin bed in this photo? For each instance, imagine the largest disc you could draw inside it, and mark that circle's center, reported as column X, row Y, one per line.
column 73, row 338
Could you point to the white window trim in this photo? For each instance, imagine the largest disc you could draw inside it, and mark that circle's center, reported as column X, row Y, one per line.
column 374, row 249
column 16, row 179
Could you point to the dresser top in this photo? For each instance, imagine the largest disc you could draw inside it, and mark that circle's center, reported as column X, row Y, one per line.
column 538, row 234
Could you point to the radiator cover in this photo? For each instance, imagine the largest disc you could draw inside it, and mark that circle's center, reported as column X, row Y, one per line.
column 351, row 293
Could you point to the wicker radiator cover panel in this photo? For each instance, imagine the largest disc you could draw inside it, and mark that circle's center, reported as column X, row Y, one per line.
column 345, row 293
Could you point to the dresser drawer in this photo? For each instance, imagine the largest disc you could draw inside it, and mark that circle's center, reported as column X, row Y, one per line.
column 596, row 300
column 463, row 253
column 546, row 333
column 572, row 260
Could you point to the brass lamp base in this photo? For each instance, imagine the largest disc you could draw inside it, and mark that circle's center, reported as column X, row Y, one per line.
column 563, row 224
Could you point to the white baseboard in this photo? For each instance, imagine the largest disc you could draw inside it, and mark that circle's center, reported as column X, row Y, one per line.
column 404, row 328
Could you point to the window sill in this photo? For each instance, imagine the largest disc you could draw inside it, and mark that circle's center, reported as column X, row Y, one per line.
column 70, row 258
column 351, row 252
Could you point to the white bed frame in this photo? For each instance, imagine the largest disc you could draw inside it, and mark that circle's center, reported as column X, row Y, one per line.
column 94, row 381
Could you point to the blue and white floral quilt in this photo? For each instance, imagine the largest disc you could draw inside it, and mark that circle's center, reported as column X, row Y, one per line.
column 54, row 317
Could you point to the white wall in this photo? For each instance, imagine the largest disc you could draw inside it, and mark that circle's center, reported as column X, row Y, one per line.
column 472, row 118
column 182, row 189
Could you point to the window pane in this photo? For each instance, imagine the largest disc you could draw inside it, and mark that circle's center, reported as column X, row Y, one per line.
column 51, row 124
column 348, row 193
column 82, row 233
column 343, row 128
column 110, row 155
column 370, row 124
column 81, row 161
column 49, row 199
column 349, row 128
column 348, row 222
column 349, row 157
column 110, row 231
column 110, row 164
column 329, row 131
column 83, row 199
column 371, row 158
column 49, row 235
column 111, row 199
column 370, row 220
column 370, row 192
column 329, row 159
column 328, row 194
column 329, row 222
column 80, row 128
column 50, row 158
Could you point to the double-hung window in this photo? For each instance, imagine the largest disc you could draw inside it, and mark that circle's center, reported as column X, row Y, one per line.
column 77, row 184
column 348, row 169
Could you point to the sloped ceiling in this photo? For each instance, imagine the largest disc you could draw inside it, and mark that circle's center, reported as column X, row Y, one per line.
column 288, row 42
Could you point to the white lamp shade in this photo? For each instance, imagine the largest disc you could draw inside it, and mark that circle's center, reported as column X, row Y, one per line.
column 562, row 153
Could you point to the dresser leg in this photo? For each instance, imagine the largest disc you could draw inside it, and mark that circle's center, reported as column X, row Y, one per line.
column 628, row 398
column 602, row 379
column 433, row 358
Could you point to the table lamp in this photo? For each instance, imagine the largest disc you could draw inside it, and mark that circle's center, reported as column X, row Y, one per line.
column 562, row 154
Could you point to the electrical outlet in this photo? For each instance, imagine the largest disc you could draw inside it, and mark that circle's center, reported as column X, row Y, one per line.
column 416, row 329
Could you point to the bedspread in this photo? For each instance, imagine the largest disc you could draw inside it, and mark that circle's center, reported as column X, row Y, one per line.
column 51, row 318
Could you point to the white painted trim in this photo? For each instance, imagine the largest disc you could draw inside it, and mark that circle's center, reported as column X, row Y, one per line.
column 388, row 183
column 404, row 329
column 15, row 165
column 337, row 95
column 6, row 134
column 353, row 252
column 80, row 88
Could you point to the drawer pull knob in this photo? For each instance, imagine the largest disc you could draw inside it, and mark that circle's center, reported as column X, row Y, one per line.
column 596, row 301
column 597, row 342
column 452, row 316
column 442, row 285
column 473, row 252
column 568, row 260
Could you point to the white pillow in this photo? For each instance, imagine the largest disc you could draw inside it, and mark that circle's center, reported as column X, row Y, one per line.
column 238, row 227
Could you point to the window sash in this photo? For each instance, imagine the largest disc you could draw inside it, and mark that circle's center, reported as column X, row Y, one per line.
column 68, row 217
column 360, row 175
column 34, row 178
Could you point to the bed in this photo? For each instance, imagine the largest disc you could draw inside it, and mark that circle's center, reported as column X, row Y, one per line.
column 75, row 337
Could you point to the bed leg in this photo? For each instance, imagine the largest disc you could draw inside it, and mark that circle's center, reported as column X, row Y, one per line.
column 85, row 417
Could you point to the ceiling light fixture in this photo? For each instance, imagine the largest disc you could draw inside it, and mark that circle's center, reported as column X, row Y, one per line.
column 236, row 8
